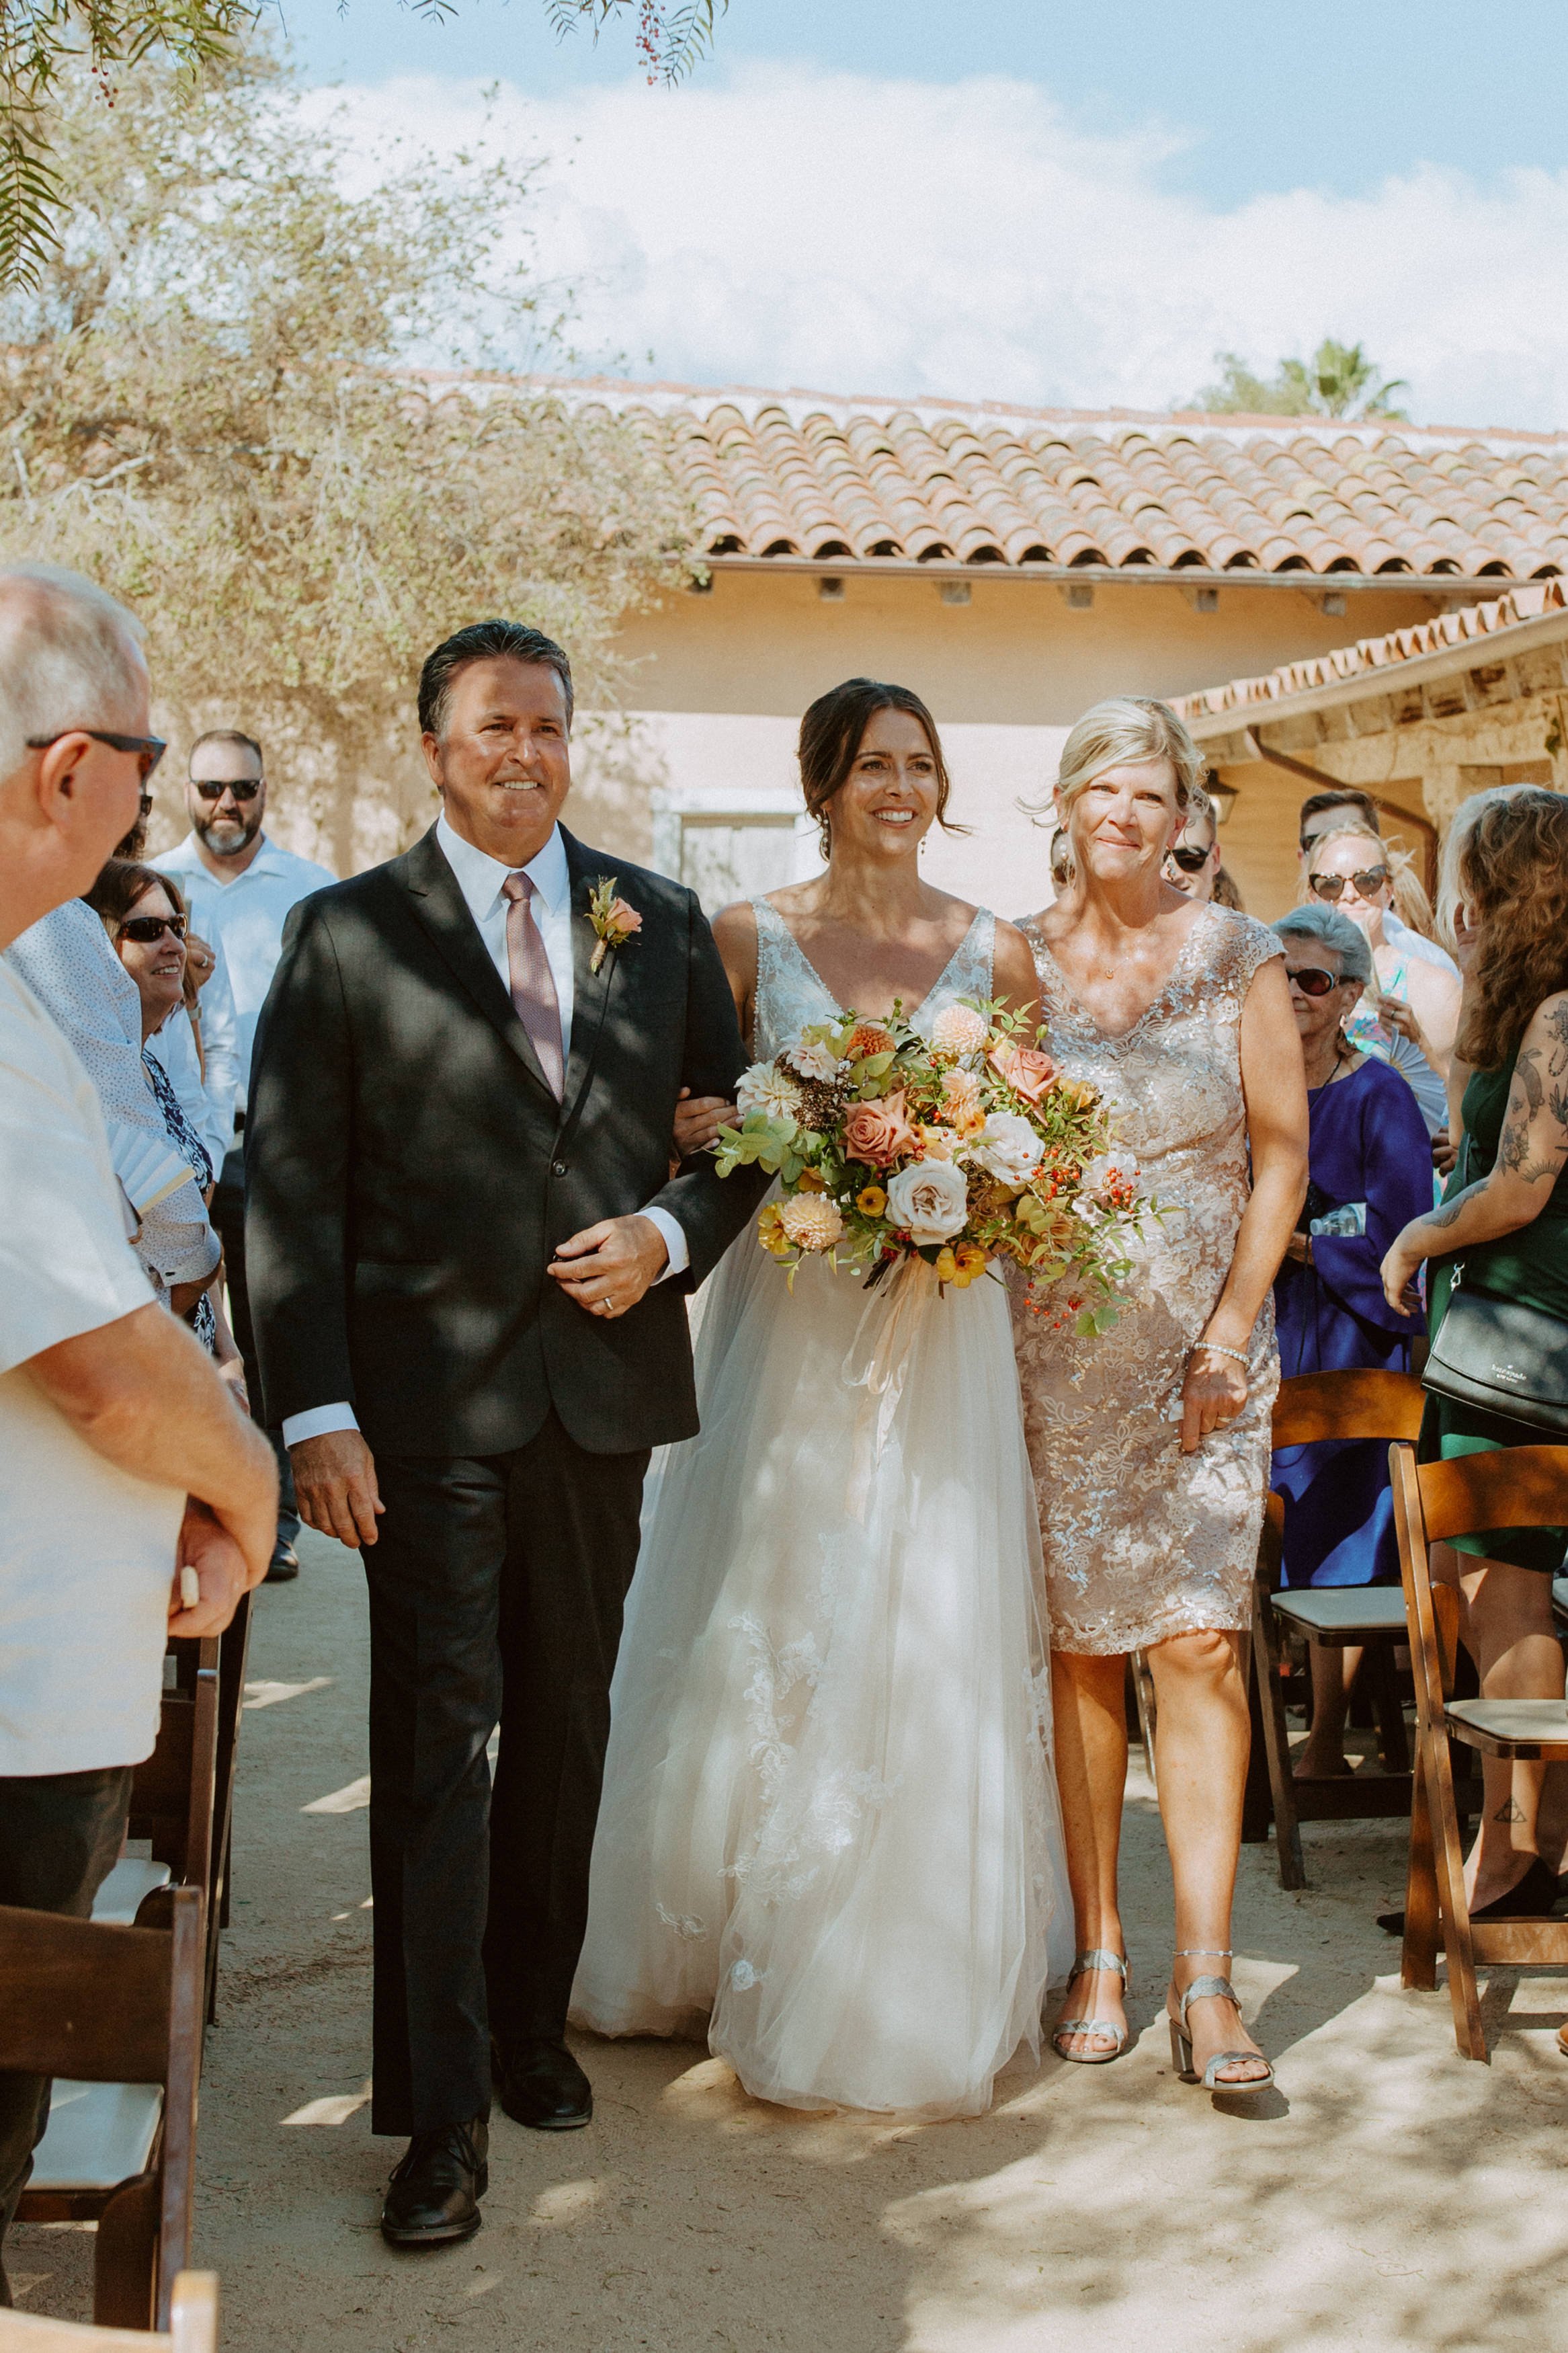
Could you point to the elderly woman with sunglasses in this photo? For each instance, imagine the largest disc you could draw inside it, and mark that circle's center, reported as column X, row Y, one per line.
column 1369, row 1166
column 144, row 916
column 1411, row 1009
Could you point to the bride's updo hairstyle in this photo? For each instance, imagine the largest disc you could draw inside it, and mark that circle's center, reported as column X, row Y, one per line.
column 832, row 732
column 1122, row 730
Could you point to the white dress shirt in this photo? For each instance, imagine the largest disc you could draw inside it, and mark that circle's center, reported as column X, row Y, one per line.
column 479, row 878
column 245, row 916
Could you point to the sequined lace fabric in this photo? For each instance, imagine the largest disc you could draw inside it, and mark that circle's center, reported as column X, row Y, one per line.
column 1140, row 1541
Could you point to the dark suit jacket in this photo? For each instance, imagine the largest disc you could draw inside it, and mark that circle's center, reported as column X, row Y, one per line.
column 409, row 1173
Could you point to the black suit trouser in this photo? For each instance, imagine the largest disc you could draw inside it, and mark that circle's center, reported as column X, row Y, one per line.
column 59, row 1834
column 497, row 1586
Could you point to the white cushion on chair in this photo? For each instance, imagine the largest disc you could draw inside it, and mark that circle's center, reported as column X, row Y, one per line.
column 1539, row 1723
column 132, row 1877
column 99, row 2135
column 1343, row 1609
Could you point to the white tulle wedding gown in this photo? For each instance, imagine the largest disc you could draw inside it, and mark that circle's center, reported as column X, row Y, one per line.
column 829, row 1837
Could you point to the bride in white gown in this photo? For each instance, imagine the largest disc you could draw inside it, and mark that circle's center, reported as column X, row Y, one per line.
column 829, row 1836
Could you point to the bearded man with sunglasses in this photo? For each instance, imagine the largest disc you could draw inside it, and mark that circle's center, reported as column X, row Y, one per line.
column 240, row 888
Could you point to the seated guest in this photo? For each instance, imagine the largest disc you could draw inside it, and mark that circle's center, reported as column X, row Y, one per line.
column 1369, row 1171
column 144, row 916
column 134, row 1501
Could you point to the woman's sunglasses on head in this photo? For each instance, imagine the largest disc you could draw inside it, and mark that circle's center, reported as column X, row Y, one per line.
column 1331, row 887
column 1190, row 860
column 1311, row 979
column 213, row 788
column 145, row 929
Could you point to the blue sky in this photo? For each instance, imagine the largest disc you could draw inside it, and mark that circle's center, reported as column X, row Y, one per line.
column 1021, row 199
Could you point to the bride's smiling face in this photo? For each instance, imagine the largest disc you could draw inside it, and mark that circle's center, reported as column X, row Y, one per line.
column 886, row 805
column 1124, row 819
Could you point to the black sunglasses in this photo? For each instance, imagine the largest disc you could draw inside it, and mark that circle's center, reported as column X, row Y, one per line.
column 1311, row 979
column 149, row 749
column 1331, row 887
column 213, row 788
column 145, row 929
column 1191, row 862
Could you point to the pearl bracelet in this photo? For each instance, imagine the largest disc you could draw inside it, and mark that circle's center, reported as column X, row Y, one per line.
column 1215, row 1350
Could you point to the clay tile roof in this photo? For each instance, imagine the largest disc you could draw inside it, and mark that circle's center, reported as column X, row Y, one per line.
column 820, row 479
column 1250, row 698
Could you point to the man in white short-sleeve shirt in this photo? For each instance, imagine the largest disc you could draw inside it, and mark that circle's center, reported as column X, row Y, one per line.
column 135, row 1501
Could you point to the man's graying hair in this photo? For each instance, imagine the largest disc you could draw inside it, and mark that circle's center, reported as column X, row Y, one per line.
column 70, row 657
column 484, row 641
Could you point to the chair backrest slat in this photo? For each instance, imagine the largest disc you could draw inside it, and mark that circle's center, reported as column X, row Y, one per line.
column 1516, row 1487
column 81, row 1999
column 1364, row 1405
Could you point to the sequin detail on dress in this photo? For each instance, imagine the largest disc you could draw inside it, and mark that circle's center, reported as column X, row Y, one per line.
column 1140, row 1541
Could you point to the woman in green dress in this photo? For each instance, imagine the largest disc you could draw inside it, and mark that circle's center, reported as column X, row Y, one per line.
column 1505, row 1221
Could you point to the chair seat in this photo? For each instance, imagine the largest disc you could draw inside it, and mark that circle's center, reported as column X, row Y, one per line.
column 1500, row 1723
column 132, row 1877
column 1343, row 1609
column 99, row 2135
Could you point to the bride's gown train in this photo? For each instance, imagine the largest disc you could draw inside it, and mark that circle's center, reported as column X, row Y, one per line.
column 829, row 1837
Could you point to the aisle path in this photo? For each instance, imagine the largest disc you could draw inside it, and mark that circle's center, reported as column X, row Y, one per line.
column 1389, row 2195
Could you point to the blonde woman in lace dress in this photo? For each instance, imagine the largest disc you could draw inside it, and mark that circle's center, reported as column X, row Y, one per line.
column 828, row 1839
column 1151, row 1446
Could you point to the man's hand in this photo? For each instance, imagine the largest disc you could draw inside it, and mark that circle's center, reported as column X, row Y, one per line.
column 607, row 1268
column 221, row 1570
column 335, row 1482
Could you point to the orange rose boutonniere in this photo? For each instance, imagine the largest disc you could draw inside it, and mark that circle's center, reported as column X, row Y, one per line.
column 613, row 921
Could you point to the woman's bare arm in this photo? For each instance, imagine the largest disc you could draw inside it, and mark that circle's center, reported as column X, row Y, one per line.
column 1274, row 1085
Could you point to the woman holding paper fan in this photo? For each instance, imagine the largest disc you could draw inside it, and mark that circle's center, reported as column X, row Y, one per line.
column 828, row 1838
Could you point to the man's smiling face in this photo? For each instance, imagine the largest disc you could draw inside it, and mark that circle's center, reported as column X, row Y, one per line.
column 502, row 761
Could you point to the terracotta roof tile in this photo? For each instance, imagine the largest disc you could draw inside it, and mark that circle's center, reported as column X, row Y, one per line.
column 1250, row 697
column 804, row 476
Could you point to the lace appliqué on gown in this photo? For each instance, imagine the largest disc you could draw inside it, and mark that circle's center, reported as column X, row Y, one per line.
column 829, row 1835
column 1142, row 1542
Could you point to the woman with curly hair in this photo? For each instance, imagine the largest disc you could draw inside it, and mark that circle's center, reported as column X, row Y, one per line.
column 1504, row 1221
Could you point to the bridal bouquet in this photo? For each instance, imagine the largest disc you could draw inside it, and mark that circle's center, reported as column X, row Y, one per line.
column 959, row 1150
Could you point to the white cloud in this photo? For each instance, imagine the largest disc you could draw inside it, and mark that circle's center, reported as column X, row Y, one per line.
column 859, row 235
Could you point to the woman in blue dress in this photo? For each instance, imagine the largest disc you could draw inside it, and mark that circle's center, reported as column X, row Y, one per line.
column 1370, row 1171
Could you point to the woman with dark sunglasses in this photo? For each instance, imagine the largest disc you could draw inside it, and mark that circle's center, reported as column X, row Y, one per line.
column 1369, row 1168
column 1411, row 1008
column 144, row 916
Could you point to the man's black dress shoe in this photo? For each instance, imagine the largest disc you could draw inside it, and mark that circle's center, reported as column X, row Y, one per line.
column 284, row 1565
column 540, row 2085
column 433, row 2199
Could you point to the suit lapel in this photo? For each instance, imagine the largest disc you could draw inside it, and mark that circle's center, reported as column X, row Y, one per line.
column 442, row 909
column 591, row 990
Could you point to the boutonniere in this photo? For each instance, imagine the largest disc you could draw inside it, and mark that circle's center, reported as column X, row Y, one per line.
column 614, row 922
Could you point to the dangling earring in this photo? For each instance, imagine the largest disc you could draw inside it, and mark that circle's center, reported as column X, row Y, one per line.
column 825, row 831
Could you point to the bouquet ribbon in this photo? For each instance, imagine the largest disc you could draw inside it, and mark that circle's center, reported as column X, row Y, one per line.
column 878, row 1361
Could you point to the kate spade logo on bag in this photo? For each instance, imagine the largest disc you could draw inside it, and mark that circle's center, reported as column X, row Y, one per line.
column 1507, row 1372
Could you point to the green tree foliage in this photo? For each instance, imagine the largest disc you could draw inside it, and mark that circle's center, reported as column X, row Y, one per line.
column 1339, row 380
column 42, row 42
column 208, row 402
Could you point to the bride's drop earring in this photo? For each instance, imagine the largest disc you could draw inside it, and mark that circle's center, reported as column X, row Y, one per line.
column 825, row 832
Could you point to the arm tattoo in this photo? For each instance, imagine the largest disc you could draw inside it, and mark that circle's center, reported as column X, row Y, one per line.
column 1557, row 1030
column 1527, row 1076
column 1452, row 1210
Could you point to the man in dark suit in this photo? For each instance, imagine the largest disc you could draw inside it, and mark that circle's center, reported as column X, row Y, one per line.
column 468, row 1268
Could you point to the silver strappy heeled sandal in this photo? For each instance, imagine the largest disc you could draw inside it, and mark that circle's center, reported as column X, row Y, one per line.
column 1182, row 2041
column 1097, row 1959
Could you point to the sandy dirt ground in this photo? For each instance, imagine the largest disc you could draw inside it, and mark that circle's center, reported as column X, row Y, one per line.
column 1386, row 2195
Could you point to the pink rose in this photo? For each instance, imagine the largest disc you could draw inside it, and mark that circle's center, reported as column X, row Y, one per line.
column 1023, row 1067
column 623, row 919
column 878, row 1133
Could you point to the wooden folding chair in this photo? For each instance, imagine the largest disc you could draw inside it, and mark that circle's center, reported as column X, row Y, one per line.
column 1516, row 1487
column 234, row 1650
column 173, row 1797
column 119, row 2009
column 192, row 2326
column 1315, row 1406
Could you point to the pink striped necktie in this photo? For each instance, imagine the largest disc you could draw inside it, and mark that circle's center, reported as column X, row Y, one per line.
column 532, row 982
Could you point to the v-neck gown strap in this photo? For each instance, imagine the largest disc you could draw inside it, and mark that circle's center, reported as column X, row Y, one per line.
column 1140, row 1541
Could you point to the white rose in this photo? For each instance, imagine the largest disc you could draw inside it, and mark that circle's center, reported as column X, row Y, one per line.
column 930, row 1199
column 1009, row 1147
column 814, row 1058
column 766, row 1088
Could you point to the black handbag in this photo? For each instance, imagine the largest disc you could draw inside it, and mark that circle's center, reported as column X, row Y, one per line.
column 1502, row 1358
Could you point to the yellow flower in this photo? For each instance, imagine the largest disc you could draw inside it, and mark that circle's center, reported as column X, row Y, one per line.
column 946, row 1266
column 770, row 1232
column 870, row 1200
column 811, row 1181
column 971, row 1260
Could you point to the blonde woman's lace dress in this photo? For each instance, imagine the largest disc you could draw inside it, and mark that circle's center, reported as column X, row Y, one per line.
column 828, row 1840
column 1141, row 1541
